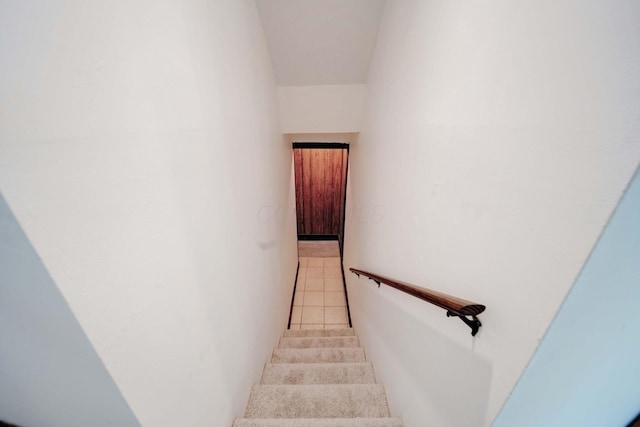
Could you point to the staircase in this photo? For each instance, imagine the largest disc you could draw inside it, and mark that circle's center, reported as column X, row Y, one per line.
column 318, row 378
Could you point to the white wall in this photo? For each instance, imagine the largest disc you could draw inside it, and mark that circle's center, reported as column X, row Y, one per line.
column 586, row 371
column 497, row 139
column 139, row 149
column 321, row 109
column 348, row 138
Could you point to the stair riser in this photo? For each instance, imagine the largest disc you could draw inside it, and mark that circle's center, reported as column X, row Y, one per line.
column 292, row 333
column 319, row 342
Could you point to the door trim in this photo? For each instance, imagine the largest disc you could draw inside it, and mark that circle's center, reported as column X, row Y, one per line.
column 318, row 237
column 321, row 145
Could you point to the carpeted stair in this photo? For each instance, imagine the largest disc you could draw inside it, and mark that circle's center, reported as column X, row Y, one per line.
column 318, row 378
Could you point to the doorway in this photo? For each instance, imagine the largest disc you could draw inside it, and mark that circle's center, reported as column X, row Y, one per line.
column 321, row 184
column 320, row 296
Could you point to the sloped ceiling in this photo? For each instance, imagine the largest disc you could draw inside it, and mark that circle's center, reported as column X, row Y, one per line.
column 321, row 42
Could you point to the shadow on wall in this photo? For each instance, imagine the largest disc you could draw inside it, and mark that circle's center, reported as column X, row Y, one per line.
column 427, row 375
column 50, row 373
column 586, row 371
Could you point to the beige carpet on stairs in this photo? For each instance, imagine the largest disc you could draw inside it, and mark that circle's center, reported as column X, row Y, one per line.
column 318, row 378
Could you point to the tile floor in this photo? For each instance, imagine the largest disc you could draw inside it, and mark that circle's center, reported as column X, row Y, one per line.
column 319, row 302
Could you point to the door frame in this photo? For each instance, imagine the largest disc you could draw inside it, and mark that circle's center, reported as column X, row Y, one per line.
column 328, row 145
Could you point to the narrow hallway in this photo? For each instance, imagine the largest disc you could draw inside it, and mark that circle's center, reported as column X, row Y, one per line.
column 320, row 301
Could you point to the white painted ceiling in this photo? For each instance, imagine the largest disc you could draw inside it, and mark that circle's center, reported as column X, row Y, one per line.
column 321, row 42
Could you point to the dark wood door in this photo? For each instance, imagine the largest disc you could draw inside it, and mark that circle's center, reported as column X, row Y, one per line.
column 321, row 177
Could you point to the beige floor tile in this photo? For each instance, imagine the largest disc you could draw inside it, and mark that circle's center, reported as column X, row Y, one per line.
column 332, row 273
column 333, row 285
column 299, row 297
column 319, row 300
column 296, row 315
column 337, row 326
column 334, row 315
column 314, row 273
column 312, row 326
column 334, row 299
column 313, row 315
column 332, row 262
column 300, row 284
column 314, row 285
column 315, row 262
column 314, row 299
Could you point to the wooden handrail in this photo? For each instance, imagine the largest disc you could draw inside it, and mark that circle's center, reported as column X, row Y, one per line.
column 455, row 306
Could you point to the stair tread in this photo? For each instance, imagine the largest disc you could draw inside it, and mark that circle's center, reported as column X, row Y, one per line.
column 318, row 373
column 319, row 342
column 289, row 333
column 319, row 355
column 318, row 401
column 318, row 422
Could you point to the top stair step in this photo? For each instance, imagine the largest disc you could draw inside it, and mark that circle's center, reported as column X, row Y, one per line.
column 297, row 333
